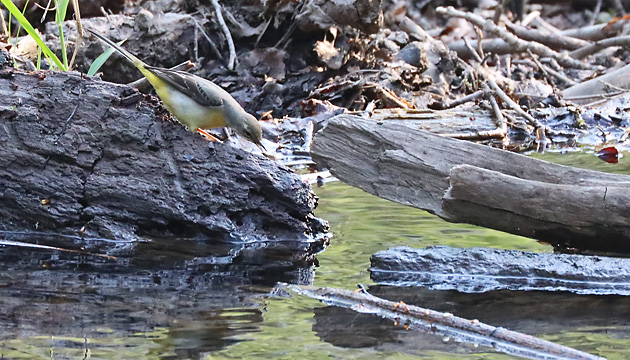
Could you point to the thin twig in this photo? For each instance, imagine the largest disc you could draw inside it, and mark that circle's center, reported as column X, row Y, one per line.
column 213, row 46
column 542, row 23
column 540, row 67
column 606, row 96
column 471, row 97
column 46, row 9
column 598, row 8
column 549, row 71
column 477, row 135
column 499, row 132
column 619, row 8
column 196, row 44
column 102, row 9
column 560, row 76
column 264, row 30
column 514, row 106
column 476, row 55
column 501, row 122
column 284, row 40
column 554, row 41
column 232, row 60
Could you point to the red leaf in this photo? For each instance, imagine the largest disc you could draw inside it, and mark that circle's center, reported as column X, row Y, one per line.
column 609, row 154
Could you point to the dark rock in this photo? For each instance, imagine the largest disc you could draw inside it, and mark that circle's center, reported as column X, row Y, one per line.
column 414, row 54
column 475, row 270
column 78, row 152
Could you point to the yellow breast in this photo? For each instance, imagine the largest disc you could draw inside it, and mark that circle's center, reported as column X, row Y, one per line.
column 185, row 109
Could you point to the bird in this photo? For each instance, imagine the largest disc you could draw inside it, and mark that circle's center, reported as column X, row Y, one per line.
column 196, row 102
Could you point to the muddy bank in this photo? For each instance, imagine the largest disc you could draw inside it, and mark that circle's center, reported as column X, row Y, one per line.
column 82, row 154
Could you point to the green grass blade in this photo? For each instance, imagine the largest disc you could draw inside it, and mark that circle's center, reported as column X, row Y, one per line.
column 62, row 44
column 29, row 29
column 100, row 60
column 39, row 58
column 61, row 9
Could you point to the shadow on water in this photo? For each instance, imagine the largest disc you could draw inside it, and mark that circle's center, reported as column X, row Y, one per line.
column 180, row 297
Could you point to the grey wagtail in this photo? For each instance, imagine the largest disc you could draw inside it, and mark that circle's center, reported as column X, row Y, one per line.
column 196, row 102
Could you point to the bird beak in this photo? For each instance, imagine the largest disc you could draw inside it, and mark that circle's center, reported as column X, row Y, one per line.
column 261, row 147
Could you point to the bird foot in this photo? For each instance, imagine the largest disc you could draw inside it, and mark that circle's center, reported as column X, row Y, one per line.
column 209, row 136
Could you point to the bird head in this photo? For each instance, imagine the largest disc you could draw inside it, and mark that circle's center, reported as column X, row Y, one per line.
column 250, row 129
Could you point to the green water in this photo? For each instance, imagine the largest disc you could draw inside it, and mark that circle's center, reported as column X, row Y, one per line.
column 364, row 224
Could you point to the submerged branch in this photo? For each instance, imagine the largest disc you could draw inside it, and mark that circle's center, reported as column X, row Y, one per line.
column 461, row 329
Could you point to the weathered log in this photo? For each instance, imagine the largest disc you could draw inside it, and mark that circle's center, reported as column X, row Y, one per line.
column 474, row 270
column 81, row 153
column 564, row 206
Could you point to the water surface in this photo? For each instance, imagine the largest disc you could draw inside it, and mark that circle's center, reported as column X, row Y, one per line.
column 198, row 312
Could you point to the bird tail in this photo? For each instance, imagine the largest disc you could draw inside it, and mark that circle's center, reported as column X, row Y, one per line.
column 134, row 60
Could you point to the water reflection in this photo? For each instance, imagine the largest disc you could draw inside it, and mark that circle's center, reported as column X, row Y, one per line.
column 194, row 300
column 183, row 301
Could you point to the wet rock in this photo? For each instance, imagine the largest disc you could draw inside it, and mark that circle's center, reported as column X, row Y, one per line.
column 475, row 270
column 81, row 153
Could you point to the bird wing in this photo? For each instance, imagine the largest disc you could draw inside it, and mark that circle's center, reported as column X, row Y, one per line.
column 187, row 84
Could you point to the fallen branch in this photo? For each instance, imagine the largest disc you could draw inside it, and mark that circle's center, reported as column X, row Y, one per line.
column 517, row 44
column 605, row 86
column 440, row 323
column 599, row 31
column 600, row 45
column 554, row 41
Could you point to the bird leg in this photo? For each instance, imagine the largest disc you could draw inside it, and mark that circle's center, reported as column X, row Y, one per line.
column 209, row 136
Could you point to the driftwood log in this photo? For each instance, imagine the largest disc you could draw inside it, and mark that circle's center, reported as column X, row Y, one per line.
column 466, row 182
column 79, row 153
